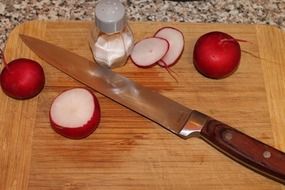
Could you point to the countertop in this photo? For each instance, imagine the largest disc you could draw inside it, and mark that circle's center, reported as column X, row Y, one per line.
column 271, row 12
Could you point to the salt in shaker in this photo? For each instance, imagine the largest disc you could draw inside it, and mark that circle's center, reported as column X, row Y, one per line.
column 112, row 38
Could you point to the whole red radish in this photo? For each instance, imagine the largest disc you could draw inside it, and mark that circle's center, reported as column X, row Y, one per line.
column 22, row 78
column 75, row 113
column 216, row 55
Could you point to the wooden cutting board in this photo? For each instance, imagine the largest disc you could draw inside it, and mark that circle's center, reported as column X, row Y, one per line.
column 127, row 151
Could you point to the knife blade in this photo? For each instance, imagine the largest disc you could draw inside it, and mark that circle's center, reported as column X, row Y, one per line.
column 168, row 113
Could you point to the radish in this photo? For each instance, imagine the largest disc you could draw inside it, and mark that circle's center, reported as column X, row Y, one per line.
column 175, row 39
column 22, row 78
column 75, row 113
column 216, row 55
column 149, row 51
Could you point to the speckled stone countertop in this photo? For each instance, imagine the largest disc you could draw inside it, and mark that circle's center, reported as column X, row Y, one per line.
column 14, row 12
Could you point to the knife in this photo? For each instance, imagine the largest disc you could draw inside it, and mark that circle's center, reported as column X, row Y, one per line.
column 169, row 114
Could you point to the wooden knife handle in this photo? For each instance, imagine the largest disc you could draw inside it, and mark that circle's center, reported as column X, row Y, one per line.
column 245, row 149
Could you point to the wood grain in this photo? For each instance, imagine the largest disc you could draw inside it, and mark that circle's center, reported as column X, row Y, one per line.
column 127, row 151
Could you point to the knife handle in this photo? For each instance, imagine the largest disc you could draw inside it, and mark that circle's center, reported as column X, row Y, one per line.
column 245, row 149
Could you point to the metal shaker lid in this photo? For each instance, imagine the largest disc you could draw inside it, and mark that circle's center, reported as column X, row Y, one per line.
column 110, row 16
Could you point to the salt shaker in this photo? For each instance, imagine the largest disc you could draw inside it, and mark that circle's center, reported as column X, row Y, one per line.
column 112, row 38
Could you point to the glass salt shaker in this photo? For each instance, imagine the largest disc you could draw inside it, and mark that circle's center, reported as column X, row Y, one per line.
column 111, row 38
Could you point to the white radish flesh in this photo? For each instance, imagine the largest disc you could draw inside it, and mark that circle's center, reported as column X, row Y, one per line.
column 73, row 108
column 175, row 39
column 149, row 51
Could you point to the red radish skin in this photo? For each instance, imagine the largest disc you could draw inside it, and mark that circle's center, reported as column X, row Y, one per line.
column 175, row 39
column 22, row 78
column 149, row 51
column 216, row 55
column 75, row 113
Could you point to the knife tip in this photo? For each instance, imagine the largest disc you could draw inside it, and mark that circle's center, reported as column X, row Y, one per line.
column 28, row 40
column 23, row 36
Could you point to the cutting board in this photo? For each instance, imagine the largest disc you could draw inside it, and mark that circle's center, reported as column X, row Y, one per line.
column 127, row 151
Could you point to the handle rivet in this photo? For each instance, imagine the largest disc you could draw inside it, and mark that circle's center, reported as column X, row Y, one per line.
column 228, row 135
column 266, row 154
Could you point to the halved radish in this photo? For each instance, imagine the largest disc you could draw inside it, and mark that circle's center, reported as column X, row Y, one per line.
column 175, row 39
column 149, row 51
column 75, row 113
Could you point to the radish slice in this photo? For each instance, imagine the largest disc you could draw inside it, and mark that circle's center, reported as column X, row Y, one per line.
column 75, row 113
column 175, row 39
column 149, row 51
